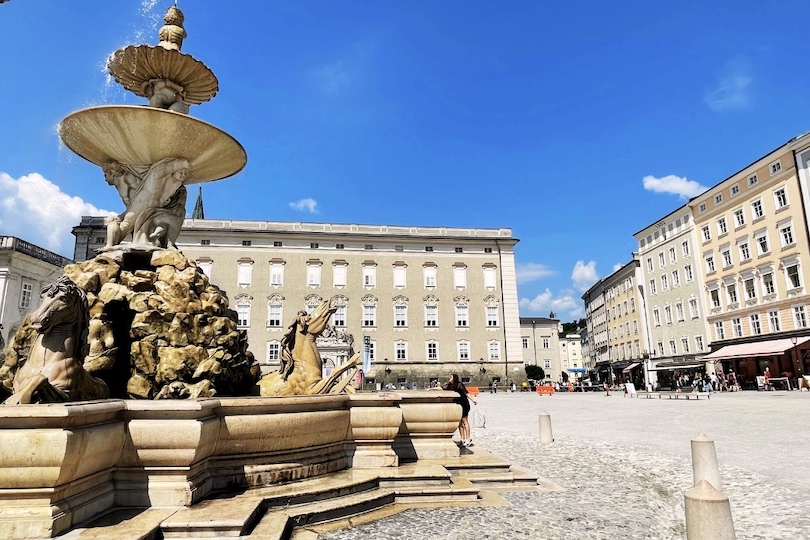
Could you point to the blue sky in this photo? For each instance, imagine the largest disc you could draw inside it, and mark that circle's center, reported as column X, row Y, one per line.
column 575, row 123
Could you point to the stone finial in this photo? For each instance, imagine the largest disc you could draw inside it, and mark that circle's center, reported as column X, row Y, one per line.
column 172, row 33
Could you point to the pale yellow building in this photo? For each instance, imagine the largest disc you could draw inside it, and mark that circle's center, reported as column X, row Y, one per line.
column 541, row 345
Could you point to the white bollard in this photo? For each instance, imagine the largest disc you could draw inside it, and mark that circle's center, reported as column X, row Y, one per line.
column 708, row 514
column 545, row 428
column 704, row 462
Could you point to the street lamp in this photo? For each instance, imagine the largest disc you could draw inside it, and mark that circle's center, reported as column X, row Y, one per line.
column 797, row 365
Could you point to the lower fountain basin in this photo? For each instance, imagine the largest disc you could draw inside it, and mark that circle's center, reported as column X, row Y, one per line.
column 141, row 136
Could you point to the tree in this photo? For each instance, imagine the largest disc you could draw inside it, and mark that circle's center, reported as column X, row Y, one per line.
column 535, row 372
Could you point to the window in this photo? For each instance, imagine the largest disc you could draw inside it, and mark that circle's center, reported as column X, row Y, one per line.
column 243, row 315
column 274, row 315
column 685, row 345
column 750, row 289
column 205, row 242
column 664, row 283
column 277, row 274
column 431, row 315
column 340, row 246
column 494, row 351
column 727, row 261
column 679, row 311
column 547, row 364
column 369, row 276
column 699, row 343
column 719, row 332
column 635, row 327
column 693, row 308
column 745, row 252
column 369, row 316
column 276, row 243
column 633, row 305
column 735, row 190
column 273, row 352
column 775, row 167
column 676, row 280
column 707, row 233
column 399, row 248
column 429, row 274
column 786, row 233
column 525, row 342
column 767, row 283
column 672, row 348
column 718, row 199
column 464, row 350
column 401, row 316
column 793, row 279
column 462, row 316
column 492, row 316
column 756, row 327
column 756, row 209
column 460, row 277
column 399, row 276
column 715, row 296
column 687, row 270
column 800, row 317
column 546, row 343
column 685, row 248
column 368, row 247
column 313, row 245
column 339, row 318
column 245, row 273
column 432, row 350
column 773, row 321
column 739, row 217
column 752, row 180
column 736, row 327
column 710, row 263
column 649, row 264
column 206, row 266
column 668, row 314
column 489, row 277
column 339, row 275
column 372, row 350
column 660, row 260
column 487, row 250
column 762, row 242
column 246, row 242
column 780, row 198
column 701, row 209
column 657, row 317
column 428, row 248
column 672, row 255
column 660, row 348
column 459, row 250
column 652, row 286
column 722, row 228
column 401, row 351
column 314, row 274
column 26, row 293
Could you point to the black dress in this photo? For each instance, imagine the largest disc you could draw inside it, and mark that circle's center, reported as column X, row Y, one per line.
column 462, row 398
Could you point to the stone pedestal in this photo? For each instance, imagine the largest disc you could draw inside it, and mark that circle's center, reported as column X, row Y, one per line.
column 56, row 465
column 429, row 420
column 375, row 422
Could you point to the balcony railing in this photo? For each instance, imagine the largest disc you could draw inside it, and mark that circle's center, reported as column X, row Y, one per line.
column 21, row 246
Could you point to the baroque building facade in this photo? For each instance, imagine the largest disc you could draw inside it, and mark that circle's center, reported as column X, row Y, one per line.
column 540, row 337
column 416, row 302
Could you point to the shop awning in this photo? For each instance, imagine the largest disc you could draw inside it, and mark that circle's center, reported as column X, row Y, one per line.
column 672, row 366
column 751, row 350
column 620, row 365
column 631, row 367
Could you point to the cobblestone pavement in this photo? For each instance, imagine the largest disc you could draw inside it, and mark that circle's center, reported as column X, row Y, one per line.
column 624, row 465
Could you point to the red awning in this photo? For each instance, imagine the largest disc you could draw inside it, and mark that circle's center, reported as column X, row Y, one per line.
column 631, row 367
column 751, row 350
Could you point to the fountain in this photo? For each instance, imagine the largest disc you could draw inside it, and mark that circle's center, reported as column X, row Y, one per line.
column 133, row 394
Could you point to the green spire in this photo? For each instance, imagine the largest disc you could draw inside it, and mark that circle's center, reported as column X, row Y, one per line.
column 198, row 213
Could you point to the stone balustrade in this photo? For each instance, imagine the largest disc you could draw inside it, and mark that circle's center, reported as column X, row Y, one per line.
column 63, row 464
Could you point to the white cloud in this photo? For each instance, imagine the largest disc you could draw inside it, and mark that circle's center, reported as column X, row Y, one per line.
column 584, row 275
column 532, row 271
column 565, row 306
column 305, row 205
column 36, row 210
column 617, row 266
column 676, row 185
column 733, row 88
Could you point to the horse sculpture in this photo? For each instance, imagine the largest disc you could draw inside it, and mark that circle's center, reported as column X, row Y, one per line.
column 52, row 371
column 300, row 372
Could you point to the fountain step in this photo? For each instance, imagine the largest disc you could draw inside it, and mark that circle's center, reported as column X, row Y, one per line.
column 129, row 523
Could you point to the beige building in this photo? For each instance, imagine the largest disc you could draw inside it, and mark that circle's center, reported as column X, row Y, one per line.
column 755, row 262
column 595, row 340
column 571, row 360
column 24, row 270
column 427, row 300
column 672, row 295
column 540, row 337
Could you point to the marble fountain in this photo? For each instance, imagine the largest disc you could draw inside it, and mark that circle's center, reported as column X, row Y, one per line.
column 133, row 407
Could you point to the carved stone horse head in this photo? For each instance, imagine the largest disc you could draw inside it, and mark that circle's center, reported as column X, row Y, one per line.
column 62, row 302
